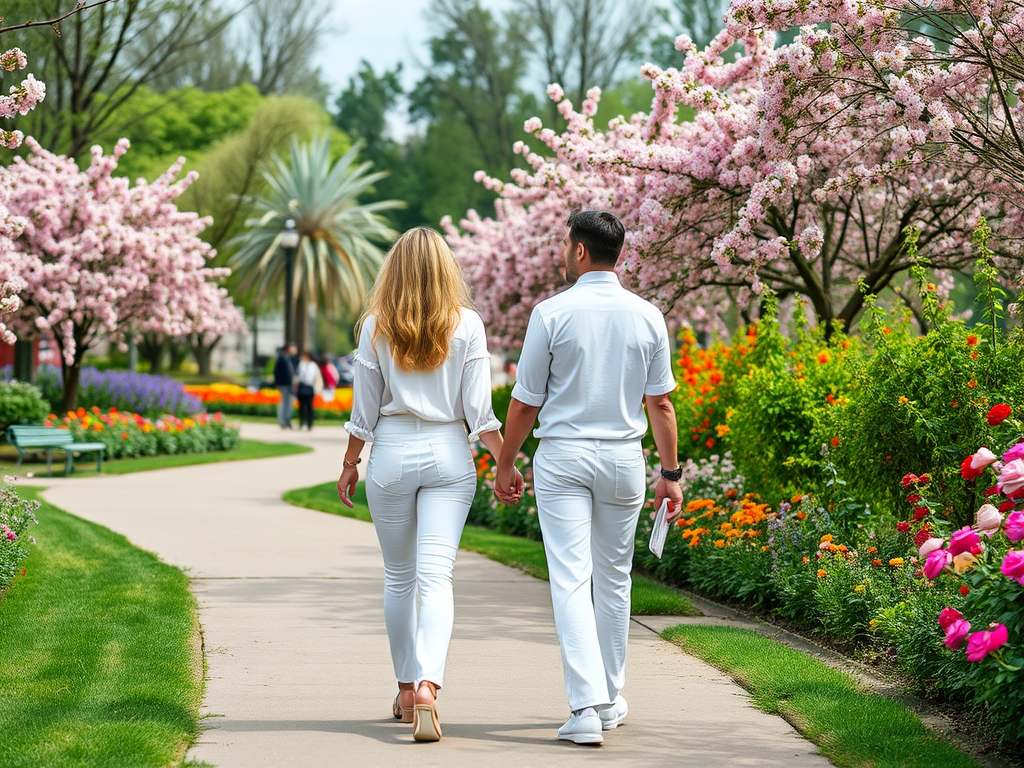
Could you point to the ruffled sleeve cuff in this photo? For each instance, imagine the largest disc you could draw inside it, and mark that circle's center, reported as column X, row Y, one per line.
column 488, row 426
column 363, row 434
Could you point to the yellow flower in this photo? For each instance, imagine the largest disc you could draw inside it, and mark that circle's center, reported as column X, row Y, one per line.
column 826, row 537
column 896, row 562
column 903, row 400
column 859, row 588
column 822, row 573
column 873, row 623
column 722, row 430
column 719, row 542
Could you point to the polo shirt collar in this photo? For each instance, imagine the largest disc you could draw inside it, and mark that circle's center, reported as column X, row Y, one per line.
column 599, row 276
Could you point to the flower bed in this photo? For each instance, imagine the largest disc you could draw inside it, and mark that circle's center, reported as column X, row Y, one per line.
column 151, row 396
column 231, row 398
column 129, row 435
column 16, row 515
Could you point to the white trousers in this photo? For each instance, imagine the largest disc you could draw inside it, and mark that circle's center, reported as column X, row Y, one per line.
column 589, row 496
column 420, row 484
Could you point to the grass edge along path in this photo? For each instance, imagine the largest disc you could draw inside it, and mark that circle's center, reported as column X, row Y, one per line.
column 102, row 661
column 850, row 726
column 649, row 598
column 86, row 465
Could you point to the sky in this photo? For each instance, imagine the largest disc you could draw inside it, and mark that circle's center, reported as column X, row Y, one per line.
column 384, row 32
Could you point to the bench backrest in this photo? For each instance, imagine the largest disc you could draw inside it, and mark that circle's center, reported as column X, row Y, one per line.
column 38, row 437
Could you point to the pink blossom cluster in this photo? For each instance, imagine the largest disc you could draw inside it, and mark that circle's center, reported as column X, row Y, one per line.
column 102, row 257
column 721, row 196
column 22, row 97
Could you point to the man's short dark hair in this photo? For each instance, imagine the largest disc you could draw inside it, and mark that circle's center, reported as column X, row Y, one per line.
column 601, row 233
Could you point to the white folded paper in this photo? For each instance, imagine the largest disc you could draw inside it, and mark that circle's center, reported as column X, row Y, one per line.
column 660, row 531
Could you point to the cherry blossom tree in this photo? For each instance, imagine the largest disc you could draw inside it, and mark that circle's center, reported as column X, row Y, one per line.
column 104, row 258
column 720, row 206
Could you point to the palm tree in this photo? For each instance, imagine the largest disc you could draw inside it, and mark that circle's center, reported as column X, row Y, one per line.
column 336, row 258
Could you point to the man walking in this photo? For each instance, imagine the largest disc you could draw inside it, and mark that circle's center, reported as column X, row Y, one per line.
column 591, row 358
column 284, row 380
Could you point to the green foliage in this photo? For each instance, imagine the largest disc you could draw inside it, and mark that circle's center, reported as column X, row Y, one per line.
column 183, row 122
column 21, row 403
column 102, row 664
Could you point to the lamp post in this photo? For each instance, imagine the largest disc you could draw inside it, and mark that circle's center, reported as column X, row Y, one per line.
column 289, row 242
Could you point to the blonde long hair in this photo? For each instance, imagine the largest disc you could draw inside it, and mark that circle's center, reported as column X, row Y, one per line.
column 416, row 300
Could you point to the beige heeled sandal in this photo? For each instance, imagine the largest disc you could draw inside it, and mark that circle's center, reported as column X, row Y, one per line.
column 402, row 713
column 425, row 724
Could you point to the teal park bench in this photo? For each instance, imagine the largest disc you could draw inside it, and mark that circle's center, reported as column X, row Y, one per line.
column 32, row 438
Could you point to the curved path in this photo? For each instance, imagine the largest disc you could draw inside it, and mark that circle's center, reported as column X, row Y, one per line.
column 299, row 671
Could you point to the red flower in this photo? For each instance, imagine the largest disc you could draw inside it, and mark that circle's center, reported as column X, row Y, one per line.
column 1006, row 506
column 903, row 526
column 972, row 340
column 922, row 536
column 913, row 498
column 835, row 441
column 920, row 513
column 876, row 562
column 967, row 472
column 998, row 414
column 992, row 490
column 963, row 589
column 923, row 480
column 908, row 480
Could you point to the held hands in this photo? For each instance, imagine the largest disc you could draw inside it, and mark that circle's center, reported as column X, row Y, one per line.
column 347, row 485
column 508, row 485
column 669, row 489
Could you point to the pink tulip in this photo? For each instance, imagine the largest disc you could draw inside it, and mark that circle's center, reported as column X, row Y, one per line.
column 956, row 632
column 1011, row 479
column 1015, row 526
column 1013, row 565
column 987, row 520
column 981, row 644
column 963, row 540
column 929, row 546
column 948, row 616
column 982, row 458
column 1017, row 452
column 935, row 562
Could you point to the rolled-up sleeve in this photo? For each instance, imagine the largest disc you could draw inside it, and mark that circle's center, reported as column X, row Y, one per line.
column 476, row 385
column 660, row 380
column 534, row 364
column 367, row 387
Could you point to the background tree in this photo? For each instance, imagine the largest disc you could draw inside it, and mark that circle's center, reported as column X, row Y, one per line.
column 586, row 43
column 102, row 58
column 103, row 258
column 337, row 256
column 284, row 38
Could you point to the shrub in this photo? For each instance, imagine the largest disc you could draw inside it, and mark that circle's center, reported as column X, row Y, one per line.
column 16, row 515
column 21, row 403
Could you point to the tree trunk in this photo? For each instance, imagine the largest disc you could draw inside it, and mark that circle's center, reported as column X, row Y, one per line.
column 178, row 351
column 24, row 360
column 203, row 353
column 152, row 348
column 72, row 373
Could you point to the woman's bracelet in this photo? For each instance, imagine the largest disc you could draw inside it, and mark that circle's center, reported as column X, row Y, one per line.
column 348, row 463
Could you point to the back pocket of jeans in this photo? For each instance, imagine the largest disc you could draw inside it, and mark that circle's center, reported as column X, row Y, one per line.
column 385, row 467
column 453, row 460
column 630, row 478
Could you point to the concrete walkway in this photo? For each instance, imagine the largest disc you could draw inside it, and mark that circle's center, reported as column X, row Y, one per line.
column 299, row 669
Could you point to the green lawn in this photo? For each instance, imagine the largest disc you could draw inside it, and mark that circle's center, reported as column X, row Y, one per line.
column 649, row 597
column 851, row 727
column 86, row 466
column 101, row 661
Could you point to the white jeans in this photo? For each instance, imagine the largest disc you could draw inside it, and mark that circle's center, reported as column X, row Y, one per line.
column 589, row 496
column 420, row 484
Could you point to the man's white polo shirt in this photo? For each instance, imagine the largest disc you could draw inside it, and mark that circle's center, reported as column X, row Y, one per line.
column 590, row 355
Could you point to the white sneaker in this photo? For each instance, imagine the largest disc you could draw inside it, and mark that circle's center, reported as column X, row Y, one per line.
column 613, row 715
column 584, row 727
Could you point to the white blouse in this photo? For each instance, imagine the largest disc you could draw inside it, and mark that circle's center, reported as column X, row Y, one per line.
column 460, row 389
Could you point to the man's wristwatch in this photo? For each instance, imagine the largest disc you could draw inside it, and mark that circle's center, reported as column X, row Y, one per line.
column 672, row 474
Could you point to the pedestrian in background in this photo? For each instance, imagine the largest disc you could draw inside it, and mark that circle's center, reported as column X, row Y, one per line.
column 330, row 376
column 309, row 384
column 284, row 380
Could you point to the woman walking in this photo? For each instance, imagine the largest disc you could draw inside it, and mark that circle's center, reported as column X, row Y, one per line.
column 309, row 384
column 422, row 374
